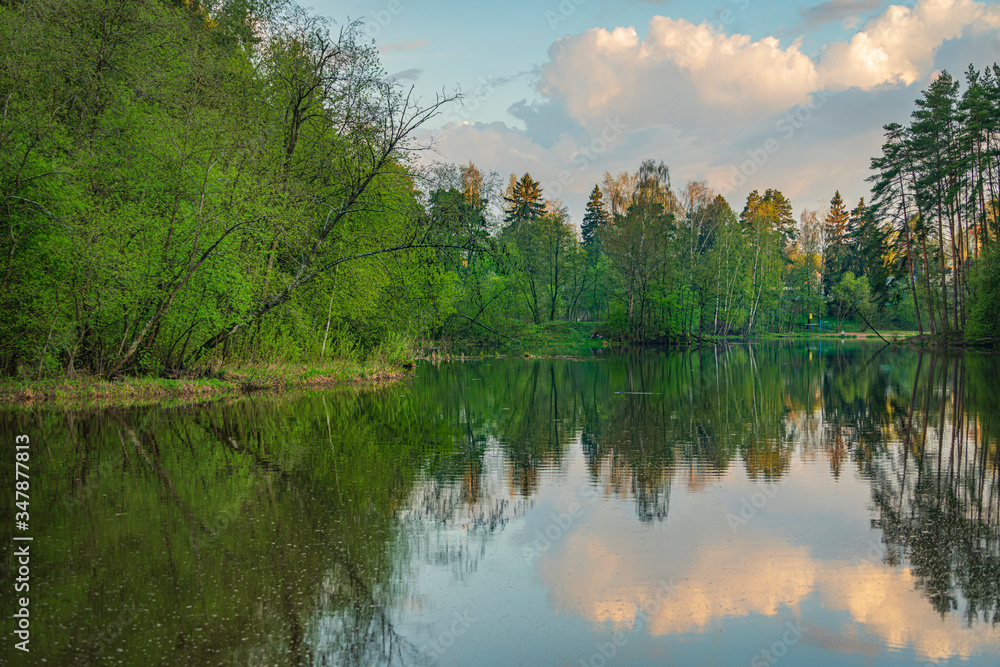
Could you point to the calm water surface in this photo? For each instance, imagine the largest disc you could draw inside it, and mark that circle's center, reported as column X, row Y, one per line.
column 800, row 504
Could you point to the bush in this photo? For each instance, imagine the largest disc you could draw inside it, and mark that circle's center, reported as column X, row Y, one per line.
column 983, row 318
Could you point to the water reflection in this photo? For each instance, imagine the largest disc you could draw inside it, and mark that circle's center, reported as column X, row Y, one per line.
column 852, row 488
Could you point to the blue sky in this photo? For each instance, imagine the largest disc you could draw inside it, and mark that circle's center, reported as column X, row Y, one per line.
column 744, row 94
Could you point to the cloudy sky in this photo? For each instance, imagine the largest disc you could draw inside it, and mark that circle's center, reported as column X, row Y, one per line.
column 745, row 94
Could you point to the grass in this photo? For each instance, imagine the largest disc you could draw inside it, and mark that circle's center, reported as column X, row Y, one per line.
column 227, row 381
column 800, row 335
column 559, row 339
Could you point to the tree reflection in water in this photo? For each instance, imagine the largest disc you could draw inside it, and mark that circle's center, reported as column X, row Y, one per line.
column 284, row 529
column 937, row 493
column 921, row 428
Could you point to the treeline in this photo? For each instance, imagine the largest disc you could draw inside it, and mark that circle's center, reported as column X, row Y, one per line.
column 654, row 264
column 659, row 264
column 937, row 183
column 186, row 182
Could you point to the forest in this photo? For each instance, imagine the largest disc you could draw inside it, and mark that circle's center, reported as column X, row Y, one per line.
column 188, row 185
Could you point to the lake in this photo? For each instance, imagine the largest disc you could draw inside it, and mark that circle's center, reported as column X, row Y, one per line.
column 776, row 503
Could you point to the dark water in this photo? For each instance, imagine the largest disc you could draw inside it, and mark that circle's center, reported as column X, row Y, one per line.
column 772, row 504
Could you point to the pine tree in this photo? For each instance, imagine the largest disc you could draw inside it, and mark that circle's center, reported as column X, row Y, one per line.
column 835, row 255
column 773, row 210
column 892, row 199
column 836, row 221
column 595, row 218
column 868, row 253
column 934, row 141
column 524, row 201
column 781, row 208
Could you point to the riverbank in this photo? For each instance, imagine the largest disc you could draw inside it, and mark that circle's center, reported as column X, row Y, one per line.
column 223, row 382
column 954, row 341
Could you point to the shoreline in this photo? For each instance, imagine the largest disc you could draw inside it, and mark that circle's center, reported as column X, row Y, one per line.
column 131, row 391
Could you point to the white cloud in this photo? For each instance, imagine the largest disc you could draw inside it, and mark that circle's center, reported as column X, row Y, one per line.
column 592, row 579
column 679, row 73
column 690, row 75
column 898, row 46
column 704, row 101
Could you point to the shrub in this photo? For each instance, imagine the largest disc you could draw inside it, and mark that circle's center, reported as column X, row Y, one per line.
column 983, row 319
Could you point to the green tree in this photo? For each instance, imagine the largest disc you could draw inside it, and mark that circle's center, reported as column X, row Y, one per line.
column 893, row 202
column 637, row 250
column 593, row 221
column 193, row 187
column 547, row 251
column 836, row 251
column 851, row 294
column 524, row 202
column 933, row 138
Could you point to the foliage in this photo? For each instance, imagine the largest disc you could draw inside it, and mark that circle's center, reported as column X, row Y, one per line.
column 175, row 188
column 593, row 220
column 984, row 307
column 936, row 183
column 849, row 295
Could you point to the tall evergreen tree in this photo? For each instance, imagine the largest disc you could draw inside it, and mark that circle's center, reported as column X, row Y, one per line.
column 784, row 220
column 773, row 210
column 892, row 200
column 836, row 221
column 525, row 201
column 934, row 140
column 835, row 254
column 869, row 253
column 593, row 220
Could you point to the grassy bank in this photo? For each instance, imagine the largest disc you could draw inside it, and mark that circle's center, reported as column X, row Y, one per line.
column 222, row 382
column 552, row 339
column 560, row 339
column 953, row 340
column 861, row 335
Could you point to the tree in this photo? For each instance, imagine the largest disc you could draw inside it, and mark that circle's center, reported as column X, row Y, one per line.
column 593, row 220
column 933, row 138
column 805, row 273
column 851, row 294
column 194, row 186
column 766, row 221
column 835, row 254
column 836, row 221
column 525, row 201
column 617, row 191
column 639, row 254
column 727, row 261
column 547, row 250
column 473, row 186
column 892, row 201
column 772, row 210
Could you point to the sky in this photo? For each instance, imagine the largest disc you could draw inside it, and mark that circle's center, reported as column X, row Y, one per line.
column 744, row 94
